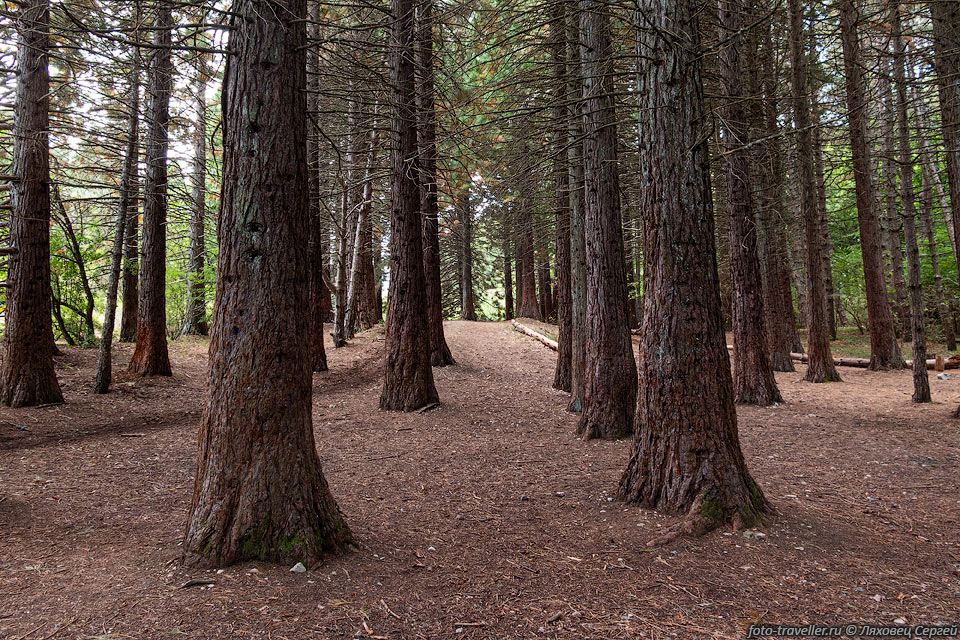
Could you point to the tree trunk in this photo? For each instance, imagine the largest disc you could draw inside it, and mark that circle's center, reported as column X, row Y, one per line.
column 561, row 176
column 128, row 179
column 884, row 350
column 753, row 380
column 901, row 305
column 131, row 251
column 546, row 291
column 945, row 16
column 610, row 389
column 195, row 322
column 319, row 298
column 259, row 492
column 408, row 381
column 921, row 384
column 686, row 456
column 578, row 247
column 528, row 306
column 820, row 367
column 468, row 305
column 507, row 271
column 365, row 209
column 779, row 320
column 87, row 333
column 27, row 376
column 440, row 355
column 150, row 358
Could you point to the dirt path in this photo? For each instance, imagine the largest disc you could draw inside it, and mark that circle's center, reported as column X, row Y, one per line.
column 484, row 518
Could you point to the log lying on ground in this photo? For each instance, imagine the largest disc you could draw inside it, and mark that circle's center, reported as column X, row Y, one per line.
column 862, row 363
column 533, row 334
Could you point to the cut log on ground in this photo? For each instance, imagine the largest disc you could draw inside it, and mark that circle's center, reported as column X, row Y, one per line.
column 533, row 334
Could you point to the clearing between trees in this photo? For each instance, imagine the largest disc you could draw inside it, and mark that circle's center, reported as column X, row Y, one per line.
column 484, row 517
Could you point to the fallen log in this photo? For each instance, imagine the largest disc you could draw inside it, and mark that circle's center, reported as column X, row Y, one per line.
column 864, row 363
column 533, row 334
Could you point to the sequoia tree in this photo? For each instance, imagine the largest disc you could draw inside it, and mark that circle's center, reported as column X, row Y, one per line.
column 150, row 358
column 27, row 375
column 752, row 374
column 259, row 492
column 610, row 388
column 558, row 47
column 820, row 367
column 440, row 355
column 884, row 350
column 686, row 456
column 408, row 377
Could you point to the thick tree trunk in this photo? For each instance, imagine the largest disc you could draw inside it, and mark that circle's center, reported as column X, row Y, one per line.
column 319, row 298
column 27, row 376
column 753, row 380
column 561, row 177
column 259, row 492
column 610, row 389
column 820, row 367
column 195, row 322
column 408, row 381
column 128, row 177
column 150, row 358
column 921, row 384
column 686, row 456
column 440, row 355
column 884, row 350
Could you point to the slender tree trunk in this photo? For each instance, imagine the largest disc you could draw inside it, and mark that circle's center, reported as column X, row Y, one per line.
column 901, row 305
column 753, row 380
column 578, row 247
column 259, row 492
column 780, row 321
column 546, row 291
column 528, row 306
column 150, row 358
column 319, row 298
column 365, row 209
column 131, row 252
column 820, row 367
column 823, row 228
column 561, row 176
column 87, row 332
column 507, row 274
column 921, row 384
column 610, row 388
column 926, row 217
column 686, row 456
column 945, row 16
column 440, row 355
column 408, row 381
column 27, row 375
column 884, row 350
column 468, row 305
column 128, row 179
column 195, row 322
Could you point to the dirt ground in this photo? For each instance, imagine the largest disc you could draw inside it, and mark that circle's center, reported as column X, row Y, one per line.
column 484, row 518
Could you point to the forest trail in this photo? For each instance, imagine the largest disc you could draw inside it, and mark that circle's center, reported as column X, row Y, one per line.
column 484, row 515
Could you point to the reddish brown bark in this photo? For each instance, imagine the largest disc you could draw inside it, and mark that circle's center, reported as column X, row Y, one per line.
column 610, row 388
column 440, row 355
column 561, row 176
column 820, row 367
column 921, row 383
column 884, row 350
column 408, row 377
column 27, row 375
column 578, row 247
column 318, row 289
column 753, row 380
column 150, row 358
column 259, row 492
column 686, row 456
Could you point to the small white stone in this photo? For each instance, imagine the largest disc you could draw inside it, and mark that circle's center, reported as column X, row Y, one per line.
column 298, row 568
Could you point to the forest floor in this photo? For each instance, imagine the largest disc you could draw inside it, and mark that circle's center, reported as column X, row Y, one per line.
column 483, row 518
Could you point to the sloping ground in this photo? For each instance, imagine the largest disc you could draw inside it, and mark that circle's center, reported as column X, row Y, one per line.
column 484, row 518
